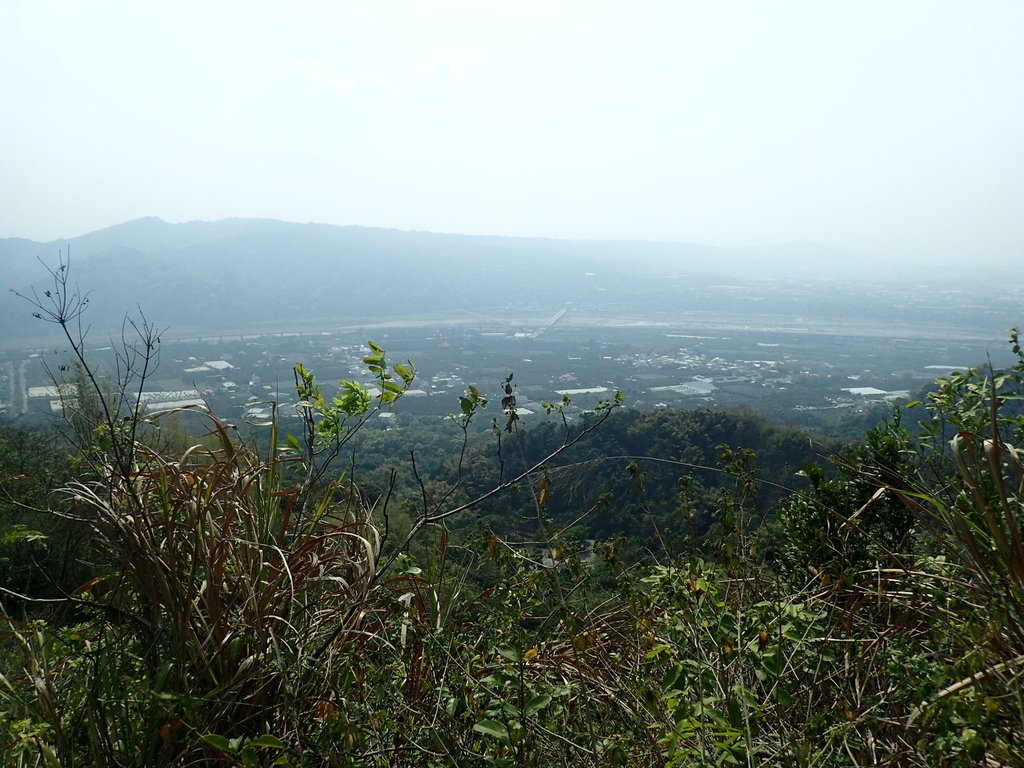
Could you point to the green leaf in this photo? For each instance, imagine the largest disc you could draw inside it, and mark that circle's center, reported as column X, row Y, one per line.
column 773, row 661
column 217, row 741
column 493, row 729
column 508, row 652
column 735, row 713
column 21, row 532
column 268, row 740
column 405, row 372
column 672, row 677
column 293, row 442
column 536, row 704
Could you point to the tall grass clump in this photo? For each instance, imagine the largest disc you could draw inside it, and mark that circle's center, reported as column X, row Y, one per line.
column 218, row 614
column 975, row 517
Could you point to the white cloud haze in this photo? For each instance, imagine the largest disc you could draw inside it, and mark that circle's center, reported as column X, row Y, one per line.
column 893, row 128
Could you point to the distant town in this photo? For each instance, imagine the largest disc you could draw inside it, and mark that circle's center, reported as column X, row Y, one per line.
column 813, row 377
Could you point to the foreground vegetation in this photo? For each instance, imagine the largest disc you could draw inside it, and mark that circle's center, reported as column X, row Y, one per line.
column 221, row 603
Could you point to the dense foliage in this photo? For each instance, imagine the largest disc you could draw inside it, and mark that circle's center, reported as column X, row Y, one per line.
column 245, row 606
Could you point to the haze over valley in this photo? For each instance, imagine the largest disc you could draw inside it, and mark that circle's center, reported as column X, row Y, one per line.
column 797, row 331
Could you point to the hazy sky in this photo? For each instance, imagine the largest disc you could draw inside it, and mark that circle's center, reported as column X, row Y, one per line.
column 891, row 127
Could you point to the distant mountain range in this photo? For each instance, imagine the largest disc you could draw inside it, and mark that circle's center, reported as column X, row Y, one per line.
column 240, row 275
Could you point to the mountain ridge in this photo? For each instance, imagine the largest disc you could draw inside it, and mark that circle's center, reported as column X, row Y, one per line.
column 242, row 272
column 115, row 234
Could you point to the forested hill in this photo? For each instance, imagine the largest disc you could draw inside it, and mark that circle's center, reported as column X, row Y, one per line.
column 257, row 274
column 641, row 475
